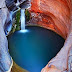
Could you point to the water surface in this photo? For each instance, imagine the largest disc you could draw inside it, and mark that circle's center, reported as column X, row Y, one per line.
column 33, row 49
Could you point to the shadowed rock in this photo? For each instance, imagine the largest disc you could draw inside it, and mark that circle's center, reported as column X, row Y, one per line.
column 5, row 59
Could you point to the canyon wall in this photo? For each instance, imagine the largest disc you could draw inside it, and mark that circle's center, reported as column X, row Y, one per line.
column 51, row 14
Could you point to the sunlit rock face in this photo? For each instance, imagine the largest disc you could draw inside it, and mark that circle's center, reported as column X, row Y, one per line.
column 54, row 15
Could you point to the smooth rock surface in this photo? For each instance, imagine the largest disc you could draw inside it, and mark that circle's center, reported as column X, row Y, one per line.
column 5, row 59
column 54, row 15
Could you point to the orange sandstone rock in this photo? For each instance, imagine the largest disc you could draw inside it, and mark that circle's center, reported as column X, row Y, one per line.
column 51, row 14
column 55, row 15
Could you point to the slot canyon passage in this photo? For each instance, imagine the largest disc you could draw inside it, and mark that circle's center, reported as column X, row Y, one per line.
column 55, row 15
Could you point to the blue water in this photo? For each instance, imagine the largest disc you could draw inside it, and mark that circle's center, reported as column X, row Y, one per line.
column 32, row 49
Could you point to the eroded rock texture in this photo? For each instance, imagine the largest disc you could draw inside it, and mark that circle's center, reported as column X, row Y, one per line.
column 51, row 14
column 57, row 16
column 5, row 59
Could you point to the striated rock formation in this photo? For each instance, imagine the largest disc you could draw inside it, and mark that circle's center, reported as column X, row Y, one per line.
column 57, row 16
column 5, row 59
column 51, row 14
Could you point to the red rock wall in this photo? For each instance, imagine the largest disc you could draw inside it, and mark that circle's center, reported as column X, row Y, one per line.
column 51, row 14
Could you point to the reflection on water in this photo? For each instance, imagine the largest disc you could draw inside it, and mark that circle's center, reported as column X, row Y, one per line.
column 24, row 31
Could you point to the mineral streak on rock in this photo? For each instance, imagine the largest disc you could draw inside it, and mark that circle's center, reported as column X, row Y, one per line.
column 54, row 15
